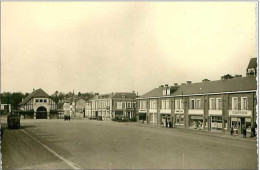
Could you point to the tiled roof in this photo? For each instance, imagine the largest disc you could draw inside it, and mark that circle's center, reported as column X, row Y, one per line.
column 229, row 85
column 126, row 95
column 34, row 94
column 252, row 63
column 157, row 92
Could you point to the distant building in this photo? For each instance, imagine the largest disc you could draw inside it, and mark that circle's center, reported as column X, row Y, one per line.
column 252, row 67
column 111, row 105
column 40, row 103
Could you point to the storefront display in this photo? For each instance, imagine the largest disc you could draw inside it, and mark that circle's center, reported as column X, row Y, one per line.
column 196, row 122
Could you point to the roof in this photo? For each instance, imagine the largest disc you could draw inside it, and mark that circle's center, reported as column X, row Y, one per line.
column 228, row 85
column 218, row 86
column 34, row 94
column 127, row 95
column 157, row 92
column 252, row 63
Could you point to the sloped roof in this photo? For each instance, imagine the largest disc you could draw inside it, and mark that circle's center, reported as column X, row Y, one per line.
column 157, row 92
column 229, row 85
column 153, row 93
column 252, row 63
column 34, row 94
column 127, row 95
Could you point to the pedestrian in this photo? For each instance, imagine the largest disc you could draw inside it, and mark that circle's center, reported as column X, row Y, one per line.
column 231, row 130
column 244, row 132
column 162, row 124
column 252, row 131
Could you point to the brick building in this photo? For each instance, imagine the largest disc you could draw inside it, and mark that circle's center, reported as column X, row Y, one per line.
column 209, row 105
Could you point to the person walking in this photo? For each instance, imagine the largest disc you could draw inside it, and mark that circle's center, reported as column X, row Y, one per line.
column 244, row 132
column 231, row 130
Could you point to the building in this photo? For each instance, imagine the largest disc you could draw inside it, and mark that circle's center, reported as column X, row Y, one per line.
column 111, row 105
column 252, row 67
column 39, row 103
column 209, row 105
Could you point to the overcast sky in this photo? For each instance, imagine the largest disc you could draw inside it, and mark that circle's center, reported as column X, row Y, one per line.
column 122, row 46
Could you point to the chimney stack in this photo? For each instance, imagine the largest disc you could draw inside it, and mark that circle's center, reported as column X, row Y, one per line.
column 188, row 82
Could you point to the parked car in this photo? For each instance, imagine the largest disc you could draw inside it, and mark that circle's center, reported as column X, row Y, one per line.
column 67, row 117
column 13, row 121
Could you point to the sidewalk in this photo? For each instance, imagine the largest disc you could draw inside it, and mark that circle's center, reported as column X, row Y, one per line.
column 202, row 132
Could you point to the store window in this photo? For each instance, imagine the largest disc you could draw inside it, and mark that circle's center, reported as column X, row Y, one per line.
column 216, row 122
column 244, row 103
column 234, row 103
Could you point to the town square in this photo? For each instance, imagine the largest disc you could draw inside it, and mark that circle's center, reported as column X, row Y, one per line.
column 129, row 85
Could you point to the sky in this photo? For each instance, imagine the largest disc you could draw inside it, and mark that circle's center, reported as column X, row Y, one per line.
column 123, row 46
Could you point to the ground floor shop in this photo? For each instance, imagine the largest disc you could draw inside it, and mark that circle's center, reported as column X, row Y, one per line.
column 166, row 120
column 196, row 121
column 179, row 120
column 238, row 123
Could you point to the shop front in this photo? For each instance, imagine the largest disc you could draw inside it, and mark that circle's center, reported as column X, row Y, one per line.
column 195, row 119
column 166, row 120
column 215, row 120
column 142, row 115
column 179, row 117
column 240, row 119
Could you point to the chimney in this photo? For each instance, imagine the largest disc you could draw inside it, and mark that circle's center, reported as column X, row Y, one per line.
column 175, row 84
column 188, row 82
column 166, row 85
column 162, row 86
column 183, row 83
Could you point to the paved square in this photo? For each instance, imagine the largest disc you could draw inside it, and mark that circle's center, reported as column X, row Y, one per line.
column 92, row 144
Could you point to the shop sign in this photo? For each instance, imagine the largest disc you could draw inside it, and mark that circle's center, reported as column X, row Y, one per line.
column 243, row 113
column 178, row 111
column 142, row 110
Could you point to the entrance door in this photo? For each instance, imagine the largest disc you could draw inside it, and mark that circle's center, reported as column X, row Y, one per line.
column 41, row 113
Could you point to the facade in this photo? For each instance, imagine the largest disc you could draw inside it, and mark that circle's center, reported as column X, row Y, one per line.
column 40, row 103
column 209, row 105
column 111, row 105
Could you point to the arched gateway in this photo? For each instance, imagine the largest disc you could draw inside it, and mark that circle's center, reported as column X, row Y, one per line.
column 41, row 113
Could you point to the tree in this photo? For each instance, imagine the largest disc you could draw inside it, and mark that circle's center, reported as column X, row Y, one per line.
column 79, row 94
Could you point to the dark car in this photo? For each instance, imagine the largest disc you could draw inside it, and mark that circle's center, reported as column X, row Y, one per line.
column 67, row 117
column 13, row 121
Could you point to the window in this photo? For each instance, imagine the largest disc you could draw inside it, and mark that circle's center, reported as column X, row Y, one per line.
column 177, row 104
column 36, row 100
column 119, row 105
column 151, row 104
column 163, row 104
column 192, row 104
column 123, row 105
column 181, row 104
column 155, row 104
column 212, row 104
column 198, row 104
column 41, row 100
column 128, row 105
column 142, row 104
column 167, row 104
column 244, row 103
column 219, row 104
column 234, row 103
column 45, row 100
